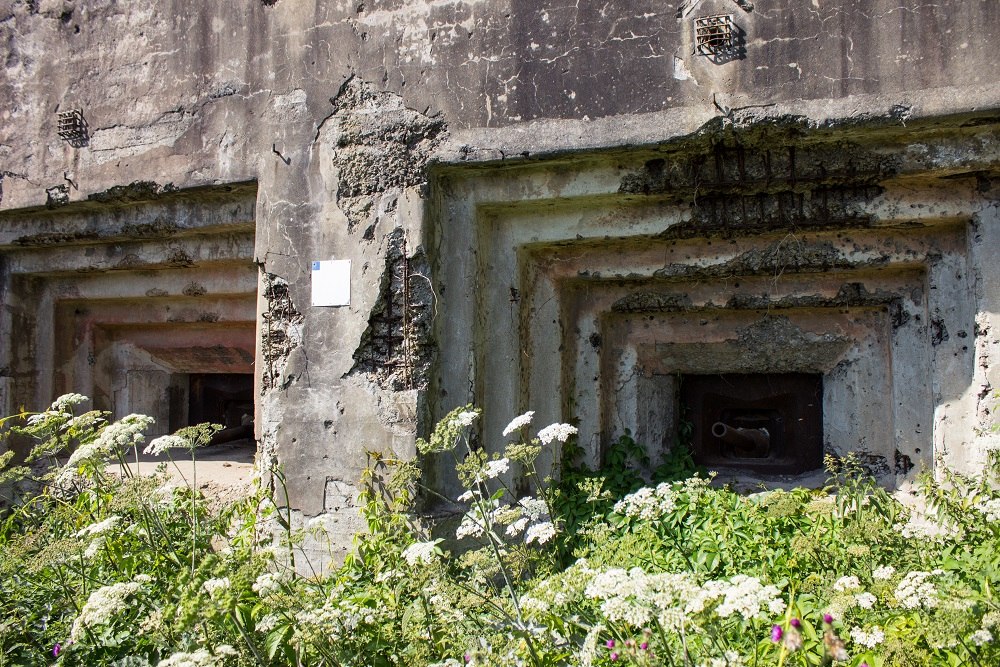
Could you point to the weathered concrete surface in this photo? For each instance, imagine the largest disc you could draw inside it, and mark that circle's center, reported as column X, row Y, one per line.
column 380, row 132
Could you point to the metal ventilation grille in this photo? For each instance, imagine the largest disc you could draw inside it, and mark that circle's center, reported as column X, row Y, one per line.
column 714, row 35
column 73, row 127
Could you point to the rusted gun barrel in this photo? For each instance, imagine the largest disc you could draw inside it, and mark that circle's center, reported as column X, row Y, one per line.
column 746, row 441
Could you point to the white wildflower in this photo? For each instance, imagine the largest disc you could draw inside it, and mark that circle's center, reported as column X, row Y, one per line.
column 648, row 503
column 745, row 596
column 883, row 573
column 421, row 552
column 142, row 579
column 729, row 659
column 38, row 418
column 226, row 649
column 123, row 434
column 66, row 402
column 534, row 508
column 494, row 469
column 920, row 526
column 200, row 658
column 268, row 583
column 540, row 532
column 465, row 418
column 869, row 639
column 101, row 606
column 467, row 496
column 518, row 422
column 850, row 583
column 981, row 637
column 216, row 586
column 916, row 591
column 267, row 623
column 560, row 432
column 163, row 443
column 865, row 600
column 99, row 527
column 990, row 508
column 94, row 546
column 517, row 527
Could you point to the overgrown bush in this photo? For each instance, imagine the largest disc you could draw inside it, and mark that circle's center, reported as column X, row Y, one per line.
column 595, row 569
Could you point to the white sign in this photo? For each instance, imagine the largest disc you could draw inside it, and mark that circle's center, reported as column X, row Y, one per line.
column 331, row 282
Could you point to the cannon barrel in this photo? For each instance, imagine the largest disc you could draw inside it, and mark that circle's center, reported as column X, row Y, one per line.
column 755, row 441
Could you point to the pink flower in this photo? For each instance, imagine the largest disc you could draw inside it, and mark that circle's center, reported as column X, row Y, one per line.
column 828, row 619
column 610, row 643
column 56, row 650
column 776, row 634
column 796, row 623
column 614, row 656
column 644, row 646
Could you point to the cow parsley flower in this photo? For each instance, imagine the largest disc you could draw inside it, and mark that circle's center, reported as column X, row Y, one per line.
column 164, row 443
column 67, row 402
column 869, row 639
column 518, row 422
column 216, row 586
column 102, row 605
column 865, row 600
column 648, row 503
column 850, row 583
column 560, row 432
column 915, row 591
column 494, row 469
column 883, row 573
column 981, row 637
column 991, row 509
column 540, row 532
column 200, row 658
column 99, row 527
column 421, row 552
column 465, row 418
column 121, row 435
column 268, row 583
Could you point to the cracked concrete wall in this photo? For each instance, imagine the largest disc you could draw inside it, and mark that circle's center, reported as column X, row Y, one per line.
column 340, row 111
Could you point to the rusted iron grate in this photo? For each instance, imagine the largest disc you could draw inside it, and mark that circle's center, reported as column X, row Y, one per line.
column 714, row 35
column 72, row 127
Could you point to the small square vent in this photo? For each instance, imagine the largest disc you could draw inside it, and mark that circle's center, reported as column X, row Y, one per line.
column 72, row 127
column 714, row 35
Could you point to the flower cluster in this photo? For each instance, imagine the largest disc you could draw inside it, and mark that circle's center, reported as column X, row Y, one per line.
column 269, row 583
column 422, row 552
column 518, row 422
column 560, row 432
column 119, row 436
column 216, row 587
column 991, row 509
column 199, row 658
column 528, row 515
column 165, row 443
column 921, row 526
column 867, row 638
column 648, row 504
column 672, row 600
column 99, row 527
column 102, row 605
column 915, row 590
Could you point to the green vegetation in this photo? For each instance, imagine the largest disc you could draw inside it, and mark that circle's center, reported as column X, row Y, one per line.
column 599, row 568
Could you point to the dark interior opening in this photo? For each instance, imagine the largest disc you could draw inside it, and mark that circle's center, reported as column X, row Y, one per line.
column 222, row 398
column 766, row 423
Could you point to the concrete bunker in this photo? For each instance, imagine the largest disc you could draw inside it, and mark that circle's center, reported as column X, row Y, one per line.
column 144, row 300
column 821, row 288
